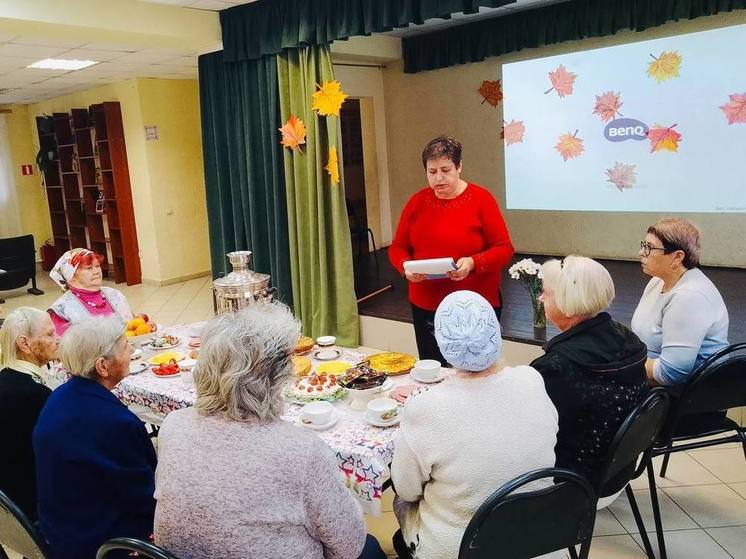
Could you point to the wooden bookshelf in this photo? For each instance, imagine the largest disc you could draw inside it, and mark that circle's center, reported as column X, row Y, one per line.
column 88, row 187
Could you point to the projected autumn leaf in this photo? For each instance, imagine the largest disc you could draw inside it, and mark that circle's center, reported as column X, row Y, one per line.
column 293, row 133
column 735, row 110
column 513, row 133
column 665, row 67
column 329, row 98
column 662, row 138
column 607, row 106
column 622, row 176
column 332, row 167
column 562, row 81
column 492, row 91
column 570, row 146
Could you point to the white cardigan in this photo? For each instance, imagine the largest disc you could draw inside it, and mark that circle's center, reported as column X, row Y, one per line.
column 458, row 443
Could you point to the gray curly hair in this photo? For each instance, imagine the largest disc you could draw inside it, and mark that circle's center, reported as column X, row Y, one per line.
column 245, row 361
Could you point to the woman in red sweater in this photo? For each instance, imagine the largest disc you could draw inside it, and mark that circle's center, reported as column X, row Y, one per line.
column 449, row 218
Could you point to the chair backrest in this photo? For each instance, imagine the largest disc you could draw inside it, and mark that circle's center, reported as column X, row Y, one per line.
column 18, row 259
column 508, row 522
column 144, row 549
column 634, row 437
column 17, row 533
column 717, row 384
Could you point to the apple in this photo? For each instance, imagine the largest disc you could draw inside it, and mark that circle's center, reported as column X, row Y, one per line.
column 144, row 317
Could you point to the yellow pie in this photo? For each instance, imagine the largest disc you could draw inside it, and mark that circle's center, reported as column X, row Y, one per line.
column 333, row 367
column 392, row 363
column 166, row 357
column 304, row 345
column 302, row 365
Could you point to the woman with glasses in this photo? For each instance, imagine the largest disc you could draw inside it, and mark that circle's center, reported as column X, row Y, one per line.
column 681, row 316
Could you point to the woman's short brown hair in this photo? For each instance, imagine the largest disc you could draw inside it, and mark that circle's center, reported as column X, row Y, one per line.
column 442, row 146
column 676, row 233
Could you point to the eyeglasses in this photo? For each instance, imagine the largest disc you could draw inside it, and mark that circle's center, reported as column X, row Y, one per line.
column 646, row 248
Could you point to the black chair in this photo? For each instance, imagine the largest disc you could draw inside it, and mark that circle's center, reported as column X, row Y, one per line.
column 18, row 264
column 360, row 232
column 143, row 549
column 18, row 534
column 630, row 454
column 716, row 385
column 514, row 524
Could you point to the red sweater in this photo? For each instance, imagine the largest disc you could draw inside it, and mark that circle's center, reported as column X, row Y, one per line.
column 469, row 225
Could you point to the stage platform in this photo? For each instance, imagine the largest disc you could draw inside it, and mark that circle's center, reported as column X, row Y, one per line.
column 516, row 321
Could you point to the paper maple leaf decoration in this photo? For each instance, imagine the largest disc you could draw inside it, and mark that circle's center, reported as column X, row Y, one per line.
column 562, row 81
column 329, row 98
column 293, row 133
column 569, row 146
column 332, row 166
column 663, row 138
column 492, row 91
column 622, row 176
column 513, row 133
column 735, row 111
column 607, row 106
column 665, row 67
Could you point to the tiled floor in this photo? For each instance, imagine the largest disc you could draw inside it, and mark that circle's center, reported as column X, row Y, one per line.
column 703, row 498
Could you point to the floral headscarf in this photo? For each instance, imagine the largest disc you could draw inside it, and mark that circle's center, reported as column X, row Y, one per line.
column 67, row 265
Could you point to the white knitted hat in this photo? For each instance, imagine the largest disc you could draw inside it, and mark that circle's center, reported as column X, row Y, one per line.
column 467, row 331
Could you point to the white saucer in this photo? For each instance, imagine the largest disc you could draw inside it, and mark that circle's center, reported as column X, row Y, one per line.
column 390, row 423
column 136, row 354
column 335, row 417
column 138, row 367
column 326, row 353
column 413, row 375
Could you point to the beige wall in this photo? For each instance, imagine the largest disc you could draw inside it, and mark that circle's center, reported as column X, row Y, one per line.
column 166, row 175
column 421, row 106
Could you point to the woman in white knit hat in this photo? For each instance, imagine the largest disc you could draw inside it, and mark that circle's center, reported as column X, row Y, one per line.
column 461, row 440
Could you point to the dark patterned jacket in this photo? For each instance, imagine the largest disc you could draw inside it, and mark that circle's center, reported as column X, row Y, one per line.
column 595, row 375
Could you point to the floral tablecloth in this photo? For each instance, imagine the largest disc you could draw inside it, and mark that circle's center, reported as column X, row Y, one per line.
column 363, row 451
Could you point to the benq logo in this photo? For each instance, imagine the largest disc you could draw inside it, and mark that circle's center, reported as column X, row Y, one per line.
column 623, row 129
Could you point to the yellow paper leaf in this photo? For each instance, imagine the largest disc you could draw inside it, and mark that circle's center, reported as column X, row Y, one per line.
column 293, row 133
column 665, row 67
column 328, row 99
column 332, row 167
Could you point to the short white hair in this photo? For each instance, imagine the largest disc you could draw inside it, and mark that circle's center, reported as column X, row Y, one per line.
column 86, row 342
column 245, row 362
column 24, row 321
column 581, row 286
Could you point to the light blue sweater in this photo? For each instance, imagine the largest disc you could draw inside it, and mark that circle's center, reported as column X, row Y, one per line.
column 681, row 327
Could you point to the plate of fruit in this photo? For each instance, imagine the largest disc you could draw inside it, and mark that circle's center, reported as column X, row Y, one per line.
column 140, row 327
column 167, row 370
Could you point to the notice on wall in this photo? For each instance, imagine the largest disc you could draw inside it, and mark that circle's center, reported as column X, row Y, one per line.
column 151, row 133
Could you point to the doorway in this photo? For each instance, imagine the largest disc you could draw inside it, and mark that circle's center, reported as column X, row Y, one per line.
column 353, row 171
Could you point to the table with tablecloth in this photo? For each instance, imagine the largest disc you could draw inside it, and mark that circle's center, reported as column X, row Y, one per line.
column 363, row 451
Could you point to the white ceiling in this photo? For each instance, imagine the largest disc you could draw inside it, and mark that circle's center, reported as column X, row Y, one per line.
column 117, row 62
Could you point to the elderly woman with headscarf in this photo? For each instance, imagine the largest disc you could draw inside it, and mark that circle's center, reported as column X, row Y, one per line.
column 234, row 480
column 27, row 343
column 78, row 273
column 94, row 460
column 594, row 370
column 461, row 440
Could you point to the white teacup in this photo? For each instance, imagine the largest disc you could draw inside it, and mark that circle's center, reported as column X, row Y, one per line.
column 317, row 413
column 382, row 409
column 427, row 369
column 326, row 341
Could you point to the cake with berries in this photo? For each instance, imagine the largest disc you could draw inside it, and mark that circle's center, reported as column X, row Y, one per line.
column 314, row 387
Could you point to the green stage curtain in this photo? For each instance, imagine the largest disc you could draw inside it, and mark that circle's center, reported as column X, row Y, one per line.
column 253, row 30
column 567, row 21
column 320, row 246
column 244, row 176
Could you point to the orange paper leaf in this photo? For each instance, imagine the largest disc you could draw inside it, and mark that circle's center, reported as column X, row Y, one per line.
column 332, row 167
column 293, row 133
column 513, row 133
column 735, row 111
column 328, row 99
column 663, row 138
column 622, row 176
column 665, row 67
column 562, row 81
column 607, row 106
column 492, row 92
column 569, row 146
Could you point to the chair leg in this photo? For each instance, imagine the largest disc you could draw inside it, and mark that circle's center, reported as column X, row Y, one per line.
column 742, row 434
column 640, row 524
column 656, row 511
column 572, row 552
column 666, row 456
column 585, row 549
